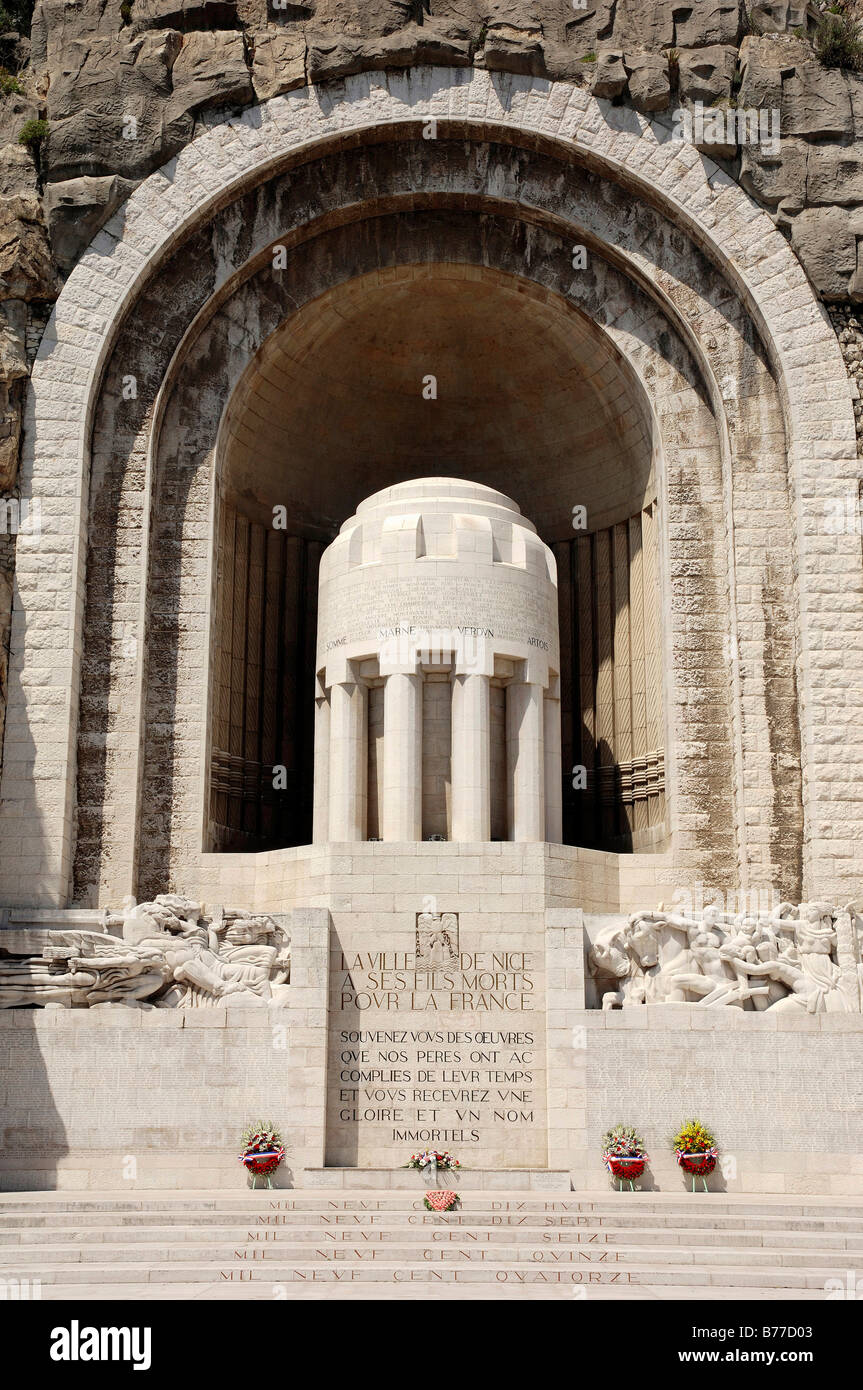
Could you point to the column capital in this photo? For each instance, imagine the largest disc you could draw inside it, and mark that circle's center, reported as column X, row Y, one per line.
column 404, row 665
column 534, row 670
column 473, row 656
column 341, row 670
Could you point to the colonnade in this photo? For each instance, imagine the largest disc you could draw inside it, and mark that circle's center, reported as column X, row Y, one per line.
column 533, row 767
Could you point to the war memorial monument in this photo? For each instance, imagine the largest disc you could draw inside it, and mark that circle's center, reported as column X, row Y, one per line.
column 431, row 610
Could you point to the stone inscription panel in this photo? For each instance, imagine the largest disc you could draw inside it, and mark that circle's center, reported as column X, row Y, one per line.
column 380, row 609
column 437, row 1040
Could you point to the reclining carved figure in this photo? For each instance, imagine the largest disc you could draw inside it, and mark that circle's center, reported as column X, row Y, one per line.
column 167, row 956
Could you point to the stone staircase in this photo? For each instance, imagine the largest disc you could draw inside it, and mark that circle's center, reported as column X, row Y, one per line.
column 290, row 1244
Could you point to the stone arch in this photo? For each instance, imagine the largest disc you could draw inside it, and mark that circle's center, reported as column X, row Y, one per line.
column 37, row 821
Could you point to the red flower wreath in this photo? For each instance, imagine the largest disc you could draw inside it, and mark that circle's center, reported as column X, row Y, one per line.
column 263, row 1150
column 262, row 1164
column 626, row 1168
column 700, row 1165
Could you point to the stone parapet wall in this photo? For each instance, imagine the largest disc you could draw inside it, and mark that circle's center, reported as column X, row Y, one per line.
column 91, row 1097
column 783, row 1096
column 148, row 1097
column 118, row 1098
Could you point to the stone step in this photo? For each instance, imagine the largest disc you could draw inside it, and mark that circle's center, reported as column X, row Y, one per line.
column 705, row 1218
column 614, row 1219
column 461, row 1232
column 597, row 1204
column 296, row 1292
column 306, row 1244
column 517, row 1272
column 238, row 1256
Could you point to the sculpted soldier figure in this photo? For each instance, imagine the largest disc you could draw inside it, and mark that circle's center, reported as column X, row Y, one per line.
column 786, row 959
column 80, row 969
column 807, row 967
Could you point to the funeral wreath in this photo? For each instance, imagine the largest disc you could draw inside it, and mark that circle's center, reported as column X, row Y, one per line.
column 623, row 1153
column 263, row 1149
column 695, row 1147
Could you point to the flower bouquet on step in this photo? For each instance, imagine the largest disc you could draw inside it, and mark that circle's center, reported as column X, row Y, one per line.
column 623, row 1154
column 431, row 1161
column 263, row 1149
column 695, row 1147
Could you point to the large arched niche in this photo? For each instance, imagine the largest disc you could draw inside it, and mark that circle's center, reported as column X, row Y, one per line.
column 626, row 336
column 748, row 627
column 640, row 351
column 526, row 391
column 481, row 374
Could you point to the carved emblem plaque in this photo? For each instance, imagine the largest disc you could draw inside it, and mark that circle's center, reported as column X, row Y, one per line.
column 437, row 940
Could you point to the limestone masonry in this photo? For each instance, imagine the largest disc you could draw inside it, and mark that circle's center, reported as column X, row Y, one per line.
column 431, row 600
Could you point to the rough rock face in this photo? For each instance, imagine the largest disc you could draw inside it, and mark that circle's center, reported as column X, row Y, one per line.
column 707, row 74
column 649, row 80
column 124, row 87
column 75, row 210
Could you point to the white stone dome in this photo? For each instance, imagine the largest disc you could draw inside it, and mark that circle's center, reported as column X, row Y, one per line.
column 438, row 554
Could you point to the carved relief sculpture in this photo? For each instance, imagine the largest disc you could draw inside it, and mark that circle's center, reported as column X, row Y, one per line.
column 794, row 958
column 166, row 954
column 437, row 940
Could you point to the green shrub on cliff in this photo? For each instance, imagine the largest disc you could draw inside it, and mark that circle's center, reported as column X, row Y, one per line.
column 839, row 42
column 32, row 133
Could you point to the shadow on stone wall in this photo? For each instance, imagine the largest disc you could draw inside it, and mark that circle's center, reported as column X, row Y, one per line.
column 33, row 1133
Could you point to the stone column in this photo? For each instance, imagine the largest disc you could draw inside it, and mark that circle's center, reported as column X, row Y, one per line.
column 403, row 784
column 471, row 758
column 524, row 757
column 348, row 770
column 553, row 770
column 321, row 814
